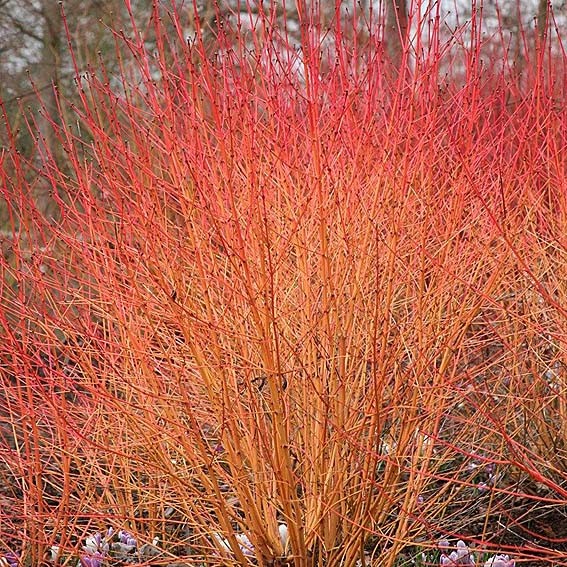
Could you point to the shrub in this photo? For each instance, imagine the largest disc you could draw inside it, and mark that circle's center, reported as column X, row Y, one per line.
column 287, row 291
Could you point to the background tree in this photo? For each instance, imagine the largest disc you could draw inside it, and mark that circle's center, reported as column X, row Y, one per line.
column 397, row 25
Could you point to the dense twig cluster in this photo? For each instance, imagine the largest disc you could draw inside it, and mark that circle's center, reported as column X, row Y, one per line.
column 289, row 287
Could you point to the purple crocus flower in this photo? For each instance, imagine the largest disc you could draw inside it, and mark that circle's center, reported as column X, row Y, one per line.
column 461, row 556
column 127, row 538
column 96, row 544
column 10, row 559
column 500, row 561
column 94, row 560
column 96, row 548
column 245, row 545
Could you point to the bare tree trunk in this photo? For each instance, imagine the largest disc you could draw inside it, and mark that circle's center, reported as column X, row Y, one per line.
column 542, row 21
column 397, row 29
column 47, row 79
